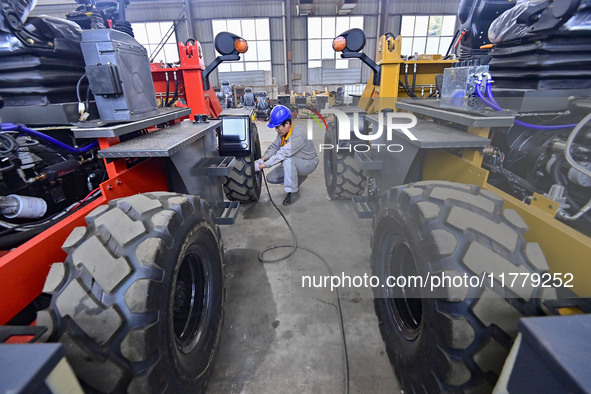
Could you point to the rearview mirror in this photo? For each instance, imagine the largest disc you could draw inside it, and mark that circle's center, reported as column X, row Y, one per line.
column 350, row 43
column 230, row 46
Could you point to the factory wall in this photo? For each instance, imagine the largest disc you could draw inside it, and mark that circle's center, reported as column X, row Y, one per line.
column 374, row 12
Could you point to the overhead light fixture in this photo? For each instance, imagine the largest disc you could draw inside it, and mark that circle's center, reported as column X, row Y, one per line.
column 305, row 7
column 346, row 6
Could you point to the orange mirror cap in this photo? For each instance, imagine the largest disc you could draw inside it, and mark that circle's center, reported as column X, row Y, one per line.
column 339, row 43
column 240, row 45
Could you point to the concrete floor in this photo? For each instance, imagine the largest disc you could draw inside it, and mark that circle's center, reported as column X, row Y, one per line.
column 279, row 336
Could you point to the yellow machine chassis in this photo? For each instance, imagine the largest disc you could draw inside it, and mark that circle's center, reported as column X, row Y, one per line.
column 566, row 250
column 375, row 98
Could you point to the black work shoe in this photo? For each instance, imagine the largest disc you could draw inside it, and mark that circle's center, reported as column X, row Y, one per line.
column 291, row 198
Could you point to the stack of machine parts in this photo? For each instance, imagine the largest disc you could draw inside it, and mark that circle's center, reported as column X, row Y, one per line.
column 540, row 55
column 542, row 45
column 538, row 45
column 40, row 64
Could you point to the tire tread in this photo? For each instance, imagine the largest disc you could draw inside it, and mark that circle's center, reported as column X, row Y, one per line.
column 468, row 232
column 105, row 305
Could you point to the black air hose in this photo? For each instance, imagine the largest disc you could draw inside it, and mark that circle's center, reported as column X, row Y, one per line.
column 451, row 44
column 165, row 101
column 414, row 78
column 556, row 174
column 10, row 241
column 176, row 91
column 407, row 87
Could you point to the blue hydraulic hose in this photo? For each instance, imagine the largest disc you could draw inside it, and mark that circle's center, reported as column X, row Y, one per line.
column 492, row 102
column 489, row 93
column 26, row 130
column 490, row 96
column 494, row 106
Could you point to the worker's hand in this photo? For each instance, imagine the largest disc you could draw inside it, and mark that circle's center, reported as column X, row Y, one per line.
column 259, row 165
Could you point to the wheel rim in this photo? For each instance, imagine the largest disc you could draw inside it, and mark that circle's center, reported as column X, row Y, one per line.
column 405, row 303
column 191, row 301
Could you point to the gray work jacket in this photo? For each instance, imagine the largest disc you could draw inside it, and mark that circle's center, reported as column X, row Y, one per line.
column 297, row 145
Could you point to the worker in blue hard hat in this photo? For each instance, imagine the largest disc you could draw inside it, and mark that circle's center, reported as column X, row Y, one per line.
column 292, row 150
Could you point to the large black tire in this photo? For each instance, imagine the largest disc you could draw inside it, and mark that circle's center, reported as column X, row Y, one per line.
column 342, row 173
column 244, row 183
column 138, row 304
column 455, row 339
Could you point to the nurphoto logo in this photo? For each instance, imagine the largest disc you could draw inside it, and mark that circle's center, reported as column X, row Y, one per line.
column 388, row 121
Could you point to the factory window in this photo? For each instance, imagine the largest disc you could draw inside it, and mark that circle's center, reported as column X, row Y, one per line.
column 321, row 33
column 256, row 33
column 150, row 34
column 427, row 34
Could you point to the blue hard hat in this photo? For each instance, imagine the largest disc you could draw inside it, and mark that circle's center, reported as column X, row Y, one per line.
column 279, row 114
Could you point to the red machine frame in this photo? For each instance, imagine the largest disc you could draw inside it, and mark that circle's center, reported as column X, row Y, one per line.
column 23, row 270
column 190, row 75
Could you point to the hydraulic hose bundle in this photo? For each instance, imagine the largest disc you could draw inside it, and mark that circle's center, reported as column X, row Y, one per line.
column 25, row 130
column 410, row 90
column 492, row 102
column 166, row 102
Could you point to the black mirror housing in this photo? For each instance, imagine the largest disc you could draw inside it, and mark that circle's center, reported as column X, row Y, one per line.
column 230, row 46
